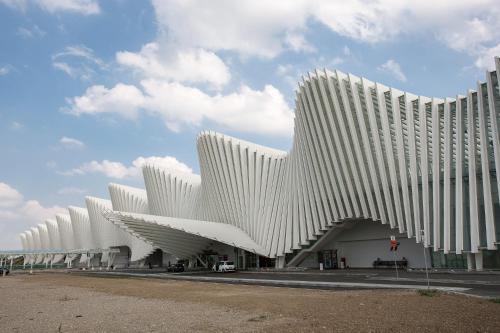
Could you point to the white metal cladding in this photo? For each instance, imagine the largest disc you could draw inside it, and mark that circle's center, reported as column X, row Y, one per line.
column 81, row 227
column 54, row 239
column 31, row 245
column 66, row 231
column 24, row 244
column 44, row 240
column 128, row 199
column 44, row 236
column 169, row 194
column 37, row 244
column 133, row 200
column 29, row 240
column 111, row 235
column 54, row 236
column 361, row 150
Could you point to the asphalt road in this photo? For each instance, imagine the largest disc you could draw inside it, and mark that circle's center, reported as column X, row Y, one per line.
column 479, row 284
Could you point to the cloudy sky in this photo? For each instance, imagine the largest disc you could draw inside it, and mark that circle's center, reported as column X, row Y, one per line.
column 90, row 90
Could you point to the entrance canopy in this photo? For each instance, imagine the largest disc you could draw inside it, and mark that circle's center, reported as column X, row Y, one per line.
column 182, row 237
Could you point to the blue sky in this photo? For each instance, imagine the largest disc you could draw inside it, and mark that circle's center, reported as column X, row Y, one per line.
column 90, row 90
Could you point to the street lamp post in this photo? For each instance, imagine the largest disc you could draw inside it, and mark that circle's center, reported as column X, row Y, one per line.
column 425, row 260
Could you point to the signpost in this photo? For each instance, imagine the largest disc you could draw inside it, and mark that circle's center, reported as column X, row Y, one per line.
column 394, row 248
column 425, row 260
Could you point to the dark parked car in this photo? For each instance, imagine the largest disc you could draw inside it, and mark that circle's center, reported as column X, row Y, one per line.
column 176, row 268
column 4, row 269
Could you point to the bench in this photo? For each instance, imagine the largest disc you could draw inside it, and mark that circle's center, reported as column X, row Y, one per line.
column 390, row 263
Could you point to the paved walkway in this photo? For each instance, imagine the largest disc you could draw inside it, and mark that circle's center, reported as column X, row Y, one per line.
column 474, row 284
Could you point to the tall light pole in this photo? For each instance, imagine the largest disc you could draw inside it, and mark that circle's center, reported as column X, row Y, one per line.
column 425, row 259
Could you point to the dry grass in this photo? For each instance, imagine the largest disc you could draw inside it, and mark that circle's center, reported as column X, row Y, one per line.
column 428, row 292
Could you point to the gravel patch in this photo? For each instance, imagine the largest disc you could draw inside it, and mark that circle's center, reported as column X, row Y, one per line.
column 73, row 303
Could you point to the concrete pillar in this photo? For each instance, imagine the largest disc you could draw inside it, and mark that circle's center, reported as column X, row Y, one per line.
column 479, row 261
column 11, row 261
column 470, row 262
column 280, row 262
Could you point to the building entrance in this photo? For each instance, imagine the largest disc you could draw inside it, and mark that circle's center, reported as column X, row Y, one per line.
column 328, row 258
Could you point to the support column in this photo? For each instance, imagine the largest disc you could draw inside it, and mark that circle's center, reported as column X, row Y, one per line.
column 479, row 261
column 257, row 263
column 280, row 262
column 470, row 262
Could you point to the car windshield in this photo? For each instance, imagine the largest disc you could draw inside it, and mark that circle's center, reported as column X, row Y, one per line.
column 229, row 263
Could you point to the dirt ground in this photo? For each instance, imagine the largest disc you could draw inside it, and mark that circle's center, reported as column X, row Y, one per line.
column 62, row 302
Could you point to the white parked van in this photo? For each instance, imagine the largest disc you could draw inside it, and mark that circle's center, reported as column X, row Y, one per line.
column 224, row 266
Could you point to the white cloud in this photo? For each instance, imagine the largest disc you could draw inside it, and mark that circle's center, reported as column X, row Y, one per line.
column 122, row 99
column 9, row 197
column 248, row 27
column 393, row 68
column 263, row 28
column 35, row 31
column 485, row 57
column 18, row 215
column 247, row 110
column 78, row 61
column 79, row 51
column 15, row 4
column 297, row 42
column 4, row 70
column 193, row 65
column 62, row 66
column 84, row 7
column 35, row 211
column 16, row 126
column 71, row 143
column 71, row 191
column 118, row 170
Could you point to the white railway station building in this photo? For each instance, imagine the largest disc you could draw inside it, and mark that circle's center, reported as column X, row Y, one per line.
column 367, row 162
